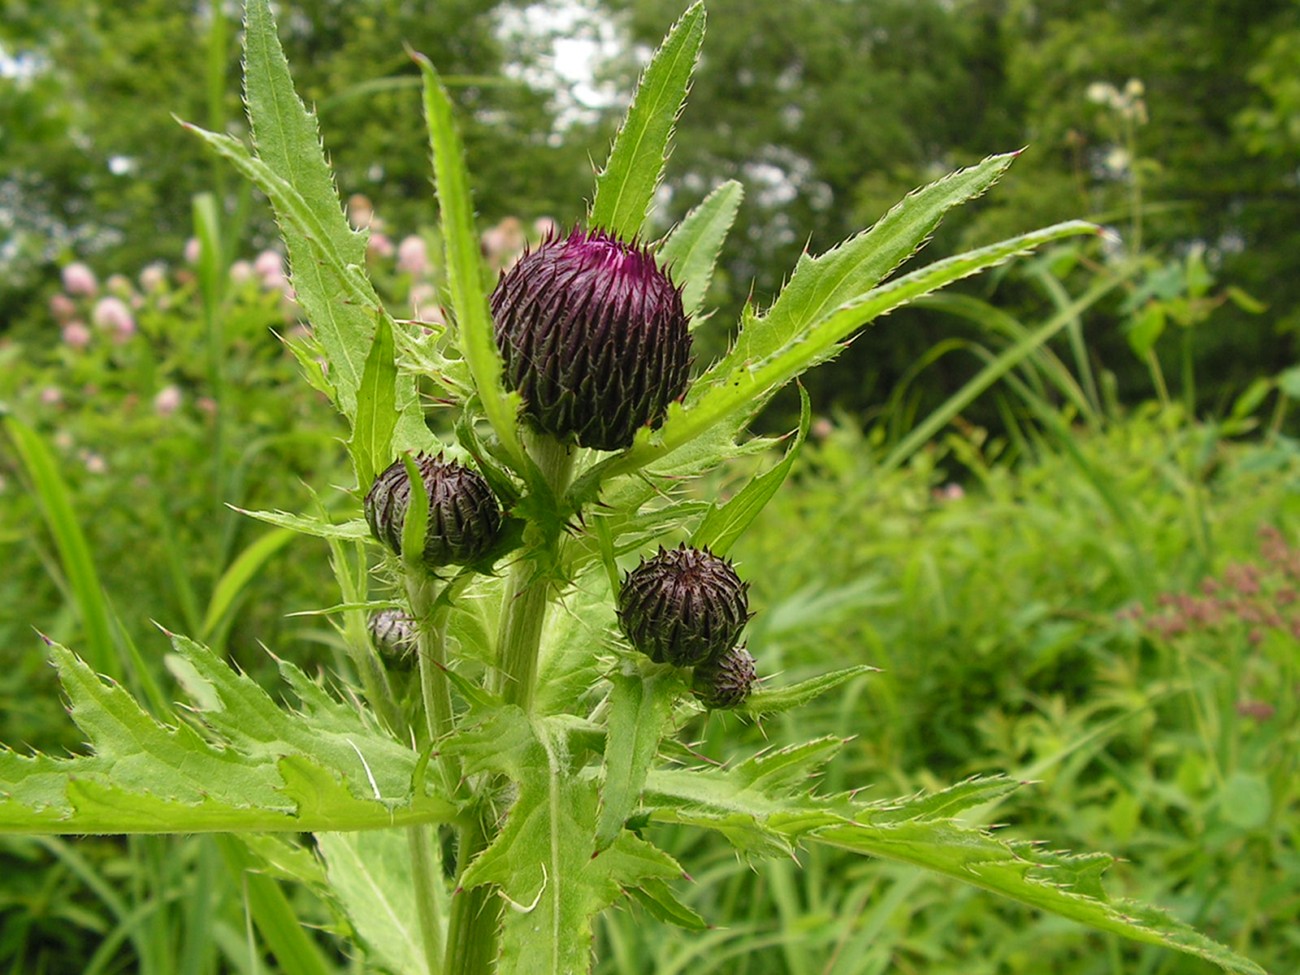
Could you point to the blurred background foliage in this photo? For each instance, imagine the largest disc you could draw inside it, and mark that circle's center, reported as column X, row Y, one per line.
column 1061, row 578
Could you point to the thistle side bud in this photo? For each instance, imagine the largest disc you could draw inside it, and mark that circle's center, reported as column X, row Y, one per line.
column 393, row 632
column 464, row 517
column 725, row 683
column 683, row 606
column 594, row 337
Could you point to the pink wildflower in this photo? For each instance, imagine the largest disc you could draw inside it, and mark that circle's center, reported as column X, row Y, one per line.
column 168, row 400
column 76, row 335
column 79, row 280
column 63, row 308
column 413, row 256
column 113, row 315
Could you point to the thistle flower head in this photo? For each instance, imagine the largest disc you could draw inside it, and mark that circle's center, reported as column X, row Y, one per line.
column 594, row 337
column 726, row 682
column 683, row 606
column 464, row 517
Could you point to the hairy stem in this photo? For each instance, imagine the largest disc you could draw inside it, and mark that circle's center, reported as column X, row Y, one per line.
column 528, row 589
column 475, row 913
column 428, row 887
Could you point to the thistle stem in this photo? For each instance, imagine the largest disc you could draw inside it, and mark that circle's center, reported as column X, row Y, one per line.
column 475, row 913
column 528, row 588
column 428, row 886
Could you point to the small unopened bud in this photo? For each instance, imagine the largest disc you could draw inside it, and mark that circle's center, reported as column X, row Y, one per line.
column 464, row 517
column 684, row 606
column 726, row 682
column 394, row 633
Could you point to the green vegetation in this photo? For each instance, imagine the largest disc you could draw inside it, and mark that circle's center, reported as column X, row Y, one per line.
column 1030, row 559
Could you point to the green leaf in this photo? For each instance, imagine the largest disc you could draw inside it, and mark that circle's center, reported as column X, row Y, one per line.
column 797, row 695
column 258, row 768
column 544, row 859
column 717, row 397
column 724, row 525
column 372, row 433
column 626, row 186
column 658, row 898
column 239, row 574
column 415, row 522
column 847, row 272
column 370, row 874
column 690, row 252
column 465, row 268
column 757, row 807
column 639, row 707
column 55, row 503
column 326, row 255
column 1145, row 329
column 349, row 531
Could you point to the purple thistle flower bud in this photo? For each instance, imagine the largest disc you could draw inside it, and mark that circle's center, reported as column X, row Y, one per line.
column 464, row 517
column 726, row 682
column 684, row 606
column 593, row 336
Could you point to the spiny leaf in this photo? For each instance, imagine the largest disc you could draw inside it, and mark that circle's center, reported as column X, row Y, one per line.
column 725, row 524
column 465, row 268
column 326, row 256
column 857, row 265
column 264, row 769
column 690, row 252
column 544, row 861
column 350, row 531
column 626, row 186
column 639, row 708
column 797, row 695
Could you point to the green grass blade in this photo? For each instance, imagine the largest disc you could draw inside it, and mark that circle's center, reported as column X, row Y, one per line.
column 626, row 186
column 465, row 267
column 995, row 370
column 690, row 252
column 293, row 948
column 238, row 575
column 55, row 502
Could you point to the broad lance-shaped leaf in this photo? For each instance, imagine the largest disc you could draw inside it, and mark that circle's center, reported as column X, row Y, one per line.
column 260, row 768
column 544, row 860
column 756, row 810
column 372, row 433
column 474, row 336
column 626, row 186
column 690, row 252
column 639, row 708
column 727, row 400
column 288, row 143
column 857, row 265
column 370, row 876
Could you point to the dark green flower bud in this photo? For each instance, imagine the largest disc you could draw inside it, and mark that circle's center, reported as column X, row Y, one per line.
column 464, row 517
column 726, row 682
column 593, row 336
column 394, row 633
column 683, row 606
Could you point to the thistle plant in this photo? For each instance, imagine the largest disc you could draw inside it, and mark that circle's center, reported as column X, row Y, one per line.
column 480, row 822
